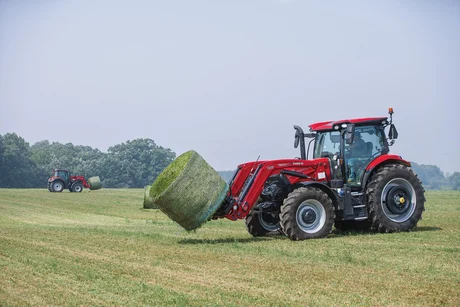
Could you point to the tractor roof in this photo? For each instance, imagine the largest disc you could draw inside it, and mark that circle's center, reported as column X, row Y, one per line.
column 322, row 126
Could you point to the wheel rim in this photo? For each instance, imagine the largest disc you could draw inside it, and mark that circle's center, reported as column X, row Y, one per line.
column 311, row 216
column 77, row 188
column 57, row 186
column 269, row 221
column 398, row 200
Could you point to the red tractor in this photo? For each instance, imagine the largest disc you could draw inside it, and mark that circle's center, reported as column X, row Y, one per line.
column 351, row 182
column 62, row 179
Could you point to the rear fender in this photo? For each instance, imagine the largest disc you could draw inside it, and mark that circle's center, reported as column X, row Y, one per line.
column 387, row 159
column 381, row 161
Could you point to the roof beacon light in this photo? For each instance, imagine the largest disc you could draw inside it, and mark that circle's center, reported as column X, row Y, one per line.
column 390, row 111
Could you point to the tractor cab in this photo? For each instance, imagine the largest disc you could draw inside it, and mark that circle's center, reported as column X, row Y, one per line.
column 350, row 158
column 62, row 174
column 351, row 145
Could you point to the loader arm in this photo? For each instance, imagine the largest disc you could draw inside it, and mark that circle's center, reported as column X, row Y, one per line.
column 81, row 179
column 250, row 178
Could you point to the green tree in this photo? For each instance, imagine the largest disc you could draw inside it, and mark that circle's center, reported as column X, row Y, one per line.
column 454, row 181
column 134, row 164
column 17, row 169
column 1, row 161
column 79, row 160
column 431, row 175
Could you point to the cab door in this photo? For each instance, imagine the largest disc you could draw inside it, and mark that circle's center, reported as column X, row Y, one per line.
column 327, row 145
column 356, row 160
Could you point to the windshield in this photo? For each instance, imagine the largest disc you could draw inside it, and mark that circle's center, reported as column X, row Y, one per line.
column 61, row 174
column 373, row 142
column 372, row 137
column 326, row 144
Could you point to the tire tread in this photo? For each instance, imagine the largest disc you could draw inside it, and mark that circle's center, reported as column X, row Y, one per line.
column 379, row 221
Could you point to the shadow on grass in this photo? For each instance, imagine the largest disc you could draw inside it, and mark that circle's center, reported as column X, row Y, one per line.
column 426, row 228
column 232, row 240
column 356, row 232
column 336, row 233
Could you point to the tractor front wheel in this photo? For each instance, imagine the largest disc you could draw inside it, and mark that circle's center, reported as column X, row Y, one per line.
column 262, row 224
column 396, row 199
column 77, row 187
column 307, row 213
column 57, row 186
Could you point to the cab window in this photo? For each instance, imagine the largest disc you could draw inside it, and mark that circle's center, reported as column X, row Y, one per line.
column 373, row 140
column 327, row 143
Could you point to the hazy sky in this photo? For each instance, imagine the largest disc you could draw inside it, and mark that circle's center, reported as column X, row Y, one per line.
column 229, row 79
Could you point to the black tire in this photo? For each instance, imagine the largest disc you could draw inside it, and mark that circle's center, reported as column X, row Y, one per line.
column 396, row 199
column 263, row 224
column 76, row 187
column 57, row 186
column 307, row 213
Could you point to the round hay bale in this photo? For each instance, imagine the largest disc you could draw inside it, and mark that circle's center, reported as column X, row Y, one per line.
column 148, row 200
column 189, row 190
column 95, row 183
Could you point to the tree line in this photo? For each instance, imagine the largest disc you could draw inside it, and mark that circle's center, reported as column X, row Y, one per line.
column 132, row 164
column 433, row 178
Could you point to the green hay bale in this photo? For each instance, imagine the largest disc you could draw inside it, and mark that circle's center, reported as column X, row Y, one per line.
column 94, row 183
column 189, row 190
column 148, row 200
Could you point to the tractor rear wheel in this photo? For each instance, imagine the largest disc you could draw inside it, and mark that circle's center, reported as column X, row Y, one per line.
column 57, row 186
column 396, row 199
column 76, row 187
column 50, row 187
column 262, row 224
column 307, row 213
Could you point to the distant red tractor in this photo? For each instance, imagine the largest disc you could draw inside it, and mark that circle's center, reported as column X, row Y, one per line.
column 62, row 179
column 351, row 182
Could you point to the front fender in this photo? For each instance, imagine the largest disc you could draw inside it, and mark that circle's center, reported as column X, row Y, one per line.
column 323, row 187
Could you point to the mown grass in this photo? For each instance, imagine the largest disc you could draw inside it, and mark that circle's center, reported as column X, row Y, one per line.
column 102, row 248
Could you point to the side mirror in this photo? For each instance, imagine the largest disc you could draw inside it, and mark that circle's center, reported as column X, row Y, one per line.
column 298, row 134
column 350, row 134
column 393, row 133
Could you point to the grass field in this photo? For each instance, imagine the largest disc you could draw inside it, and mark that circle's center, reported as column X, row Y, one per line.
column 102, row 248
